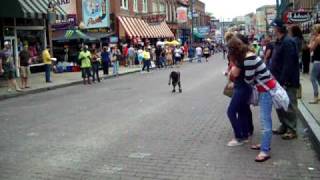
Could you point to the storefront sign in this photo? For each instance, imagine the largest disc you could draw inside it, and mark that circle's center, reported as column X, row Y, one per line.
column 95, row 13
column 69, row 6
column 202, row 31
column 114, row 39
column 298, row 17
column 69, row 23
column 182, row 14
column 154, row 18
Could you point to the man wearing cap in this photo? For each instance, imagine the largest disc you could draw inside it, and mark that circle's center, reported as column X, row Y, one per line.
column 47, row 63
column 9, row 67
column 285, row 68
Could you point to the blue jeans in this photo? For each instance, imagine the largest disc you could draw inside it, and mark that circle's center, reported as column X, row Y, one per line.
column 315, row 78
column 239, row 112
column 116, row 67
column 265, row 103
column 47, row 68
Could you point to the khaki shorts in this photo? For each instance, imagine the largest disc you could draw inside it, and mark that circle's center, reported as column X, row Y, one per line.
column 25, row 71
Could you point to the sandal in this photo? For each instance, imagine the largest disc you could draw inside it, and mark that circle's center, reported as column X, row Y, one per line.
column 289, row 136
column 255, row 147
column 262, row 157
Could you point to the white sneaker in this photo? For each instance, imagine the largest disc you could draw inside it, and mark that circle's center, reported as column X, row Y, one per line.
column 234, row 142
column 9, row 90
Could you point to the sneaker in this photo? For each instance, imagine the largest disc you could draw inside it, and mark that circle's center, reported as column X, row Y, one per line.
column 234, row 142
column 9, row 90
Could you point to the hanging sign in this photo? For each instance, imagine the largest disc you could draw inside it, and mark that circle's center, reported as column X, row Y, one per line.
column 298, row 16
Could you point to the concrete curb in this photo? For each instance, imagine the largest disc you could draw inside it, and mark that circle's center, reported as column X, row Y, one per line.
column 313, row 126
column 58, row 86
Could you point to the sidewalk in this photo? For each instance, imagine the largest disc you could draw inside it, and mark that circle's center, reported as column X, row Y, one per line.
column 310, row 112
column 37, row 82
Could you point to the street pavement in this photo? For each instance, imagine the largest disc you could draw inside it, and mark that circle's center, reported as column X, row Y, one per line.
column 132, row 127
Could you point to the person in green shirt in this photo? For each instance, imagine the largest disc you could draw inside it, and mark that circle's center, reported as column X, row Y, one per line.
column 85, row 59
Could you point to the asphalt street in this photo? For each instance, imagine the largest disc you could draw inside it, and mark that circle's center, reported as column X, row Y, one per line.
column 132, row 127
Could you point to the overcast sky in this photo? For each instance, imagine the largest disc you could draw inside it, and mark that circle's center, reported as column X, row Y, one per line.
column 232, row 8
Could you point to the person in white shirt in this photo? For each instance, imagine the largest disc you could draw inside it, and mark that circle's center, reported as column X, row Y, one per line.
column 199, row 53
column 177, row 55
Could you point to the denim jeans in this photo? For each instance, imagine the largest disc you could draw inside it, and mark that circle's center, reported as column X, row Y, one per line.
column 146, row 64
column 95, row 71
column 239, row 112
column 116, row 67
column 47, row 72
column 315, row 78
column 265, row 103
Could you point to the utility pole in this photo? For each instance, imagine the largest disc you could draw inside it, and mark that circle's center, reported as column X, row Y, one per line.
column 191, row 6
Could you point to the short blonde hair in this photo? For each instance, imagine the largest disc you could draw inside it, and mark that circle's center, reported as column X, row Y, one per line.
column 316, row 28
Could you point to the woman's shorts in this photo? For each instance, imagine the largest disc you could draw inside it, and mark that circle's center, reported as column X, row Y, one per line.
column 25, row 71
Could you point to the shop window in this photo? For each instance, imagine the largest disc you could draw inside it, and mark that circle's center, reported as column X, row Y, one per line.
column 135, row 5
column 8, row 21
column 154, row 7
column 145, row 6
column 162, row 8
column 8, row 31
column 124, row 4
column 34, row 39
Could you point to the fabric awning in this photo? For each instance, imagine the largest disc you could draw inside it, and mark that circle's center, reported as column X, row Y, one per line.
column 36, row 9
column 136, row 27
column 73, row 35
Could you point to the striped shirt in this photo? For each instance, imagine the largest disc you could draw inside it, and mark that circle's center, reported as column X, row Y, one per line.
column 256, row 72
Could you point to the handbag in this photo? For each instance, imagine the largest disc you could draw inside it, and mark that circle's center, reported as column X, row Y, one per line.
column 254, row 99
column 228, row 90
column 280, row 97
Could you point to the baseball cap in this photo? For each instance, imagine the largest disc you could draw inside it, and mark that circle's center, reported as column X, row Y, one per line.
column 277, row 23
column 6, row 43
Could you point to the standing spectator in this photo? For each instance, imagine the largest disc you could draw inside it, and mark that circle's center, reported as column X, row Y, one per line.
column 178, row 55
column 125, row 52
column 24, row 66
column 199, row 53
column 47, row 63
column 315, row 71
column 85, row 59
column 206, row 52
column 9, row 67
column 186, row 49
column 305, row 58
column 268, row 50
column 146, row 59
column 285, row 68
column 169, row 56
column 116, row 58
column 140, row 56
column 158, row 52
column 163, row 58
column 256, row 73
column 95, row 58
column 131, row 56
column 191, row 53
column 105, row 56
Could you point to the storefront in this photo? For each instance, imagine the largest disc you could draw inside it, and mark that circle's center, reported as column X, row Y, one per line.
column 24, row 23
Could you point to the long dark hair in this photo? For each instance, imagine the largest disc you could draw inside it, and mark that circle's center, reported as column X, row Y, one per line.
column 237, row 49
column 296, row 31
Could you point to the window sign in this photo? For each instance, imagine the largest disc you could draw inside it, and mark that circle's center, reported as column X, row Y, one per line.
column 95, row 13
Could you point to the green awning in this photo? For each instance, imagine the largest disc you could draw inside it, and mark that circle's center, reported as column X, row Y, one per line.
column 73, row 35
column 33, row 9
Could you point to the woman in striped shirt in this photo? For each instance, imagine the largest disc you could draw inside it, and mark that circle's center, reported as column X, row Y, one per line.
column 256, row 74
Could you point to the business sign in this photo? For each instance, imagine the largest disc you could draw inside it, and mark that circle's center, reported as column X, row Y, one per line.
column 182, row 14
column 95, row 13
column 202, row 31
column 154, row 18
column 298, row 16
column 69, row 6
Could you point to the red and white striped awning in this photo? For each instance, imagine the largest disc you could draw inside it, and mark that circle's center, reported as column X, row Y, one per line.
column 135, row 27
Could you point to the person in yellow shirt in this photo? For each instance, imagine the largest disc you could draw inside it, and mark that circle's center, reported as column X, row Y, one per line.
column 146, row 59
column 85, row 59
column 47, row 63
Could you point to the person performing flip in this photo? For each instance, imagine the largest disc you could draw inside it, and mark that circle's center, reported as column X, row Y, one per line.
column 175, row 79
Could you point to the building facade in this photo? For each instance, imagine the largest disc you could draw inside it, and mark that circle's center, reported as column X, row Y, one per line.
column 264, row 16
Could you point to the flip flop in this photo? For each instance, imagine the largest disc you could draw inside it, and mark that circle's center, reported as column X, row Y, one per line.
column 261, row 158
column 255, row 147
